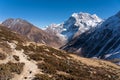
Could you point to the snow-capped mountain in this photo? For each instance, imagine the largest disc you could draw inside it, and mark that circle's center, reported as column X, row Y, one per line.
column 103, row 42
column 32, row 32
column 77, row 24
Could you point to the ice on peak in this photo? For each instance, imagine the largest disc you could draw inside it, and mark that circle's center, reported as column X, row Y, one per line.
column 94, row 16
column 86, row 16
column 80, row 14
column 83, row 13
column 54, row 25
column 74, row 14
column 97, row 18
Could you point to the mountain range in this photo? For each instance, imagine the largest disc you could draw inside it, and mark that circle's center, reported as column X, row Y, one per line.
column 23, row 59
column 84, row 34
column 102, row 42
column 84, row 47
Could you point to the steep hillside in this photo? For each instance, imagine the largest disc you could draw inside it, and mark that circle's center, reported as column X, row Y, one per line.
column 21, row 59
column 77, row 24
column 103, row 42
column 32, row 32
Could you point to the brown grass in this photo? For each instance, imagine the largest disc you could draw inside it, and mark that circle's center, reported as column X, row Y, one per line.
column 6, row 70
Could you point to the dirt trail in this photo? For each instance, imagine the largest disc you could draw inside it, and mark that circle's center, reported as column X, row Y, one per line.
column 30, row 67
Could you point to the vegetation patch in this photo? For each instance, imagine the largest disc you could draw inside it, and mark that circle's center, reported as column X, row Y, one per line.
column 47, row 68
column 7, row 70
column 36, row 57
column 76, row 69
column 42, row 77
column 2, row 56
column 66, row 77
column 42, row 50
column 8, row 35
column 16, row 58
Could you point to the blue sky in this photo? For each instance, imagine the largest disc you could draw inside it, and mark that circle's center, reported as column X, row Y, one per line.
column 45, row 12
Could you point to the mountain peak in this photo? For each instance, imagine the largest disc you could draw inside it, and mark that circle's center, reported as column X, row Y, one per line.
column 80, row 14
column 77, row 24
column 32, row 32
column 11, row 22
column 15, row 19
column 102, row 42
column 87, row 16
column 84, row 19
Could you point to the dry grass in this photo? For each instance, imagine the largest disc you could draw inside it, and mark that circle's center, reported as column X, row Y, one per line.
column 7, row 70
column 78, row 68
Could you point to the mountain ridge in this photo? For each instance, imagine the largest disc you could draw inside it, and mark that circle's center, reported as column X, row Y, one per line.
column 77, row 24
column 32, row 32
column 103, row 42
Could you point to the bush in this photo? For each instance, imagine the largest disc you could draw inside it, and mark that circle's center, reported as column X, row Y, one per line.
column 6, row 70
column 16, row 58
column 36, row 57
column 2, row 56
column 47, row 68
column 65, row 77
column 5, row 73
column 41, row 77
column 16, row 67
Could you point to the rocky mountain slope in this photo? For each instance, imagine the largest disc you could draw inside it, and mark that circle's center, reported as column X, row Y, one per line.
column 21, row 59
column 103, row 42
column 32, row 32
column 77, row 24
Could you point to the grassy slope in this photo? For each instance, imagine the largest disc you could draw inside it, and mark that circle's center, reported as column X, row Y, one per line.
column 53, row 64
